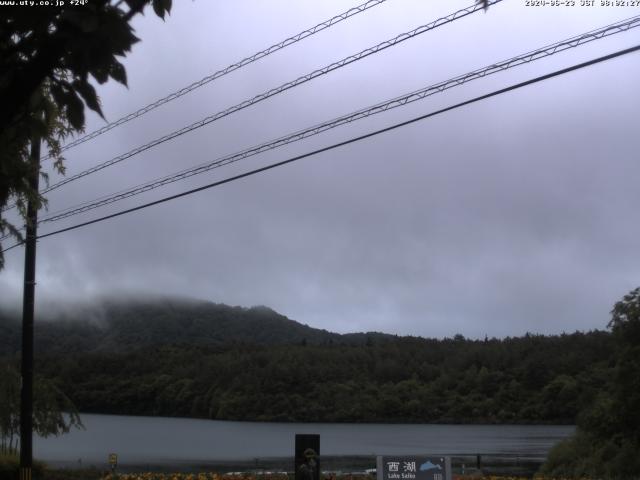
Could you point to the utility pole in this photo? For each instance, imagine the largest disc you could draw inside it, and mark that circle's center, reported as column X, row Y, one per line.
column 28, row 303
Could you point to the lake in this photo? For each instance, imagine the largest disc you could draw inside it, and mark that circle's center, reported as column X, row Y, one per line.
column 156, row 440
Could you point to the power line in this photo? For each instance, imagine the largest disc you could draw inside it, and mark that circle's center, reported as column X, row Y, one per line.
column 274, row 91
column 346, row 142
column 543, row 52
column 572, row 42
column 220, row 73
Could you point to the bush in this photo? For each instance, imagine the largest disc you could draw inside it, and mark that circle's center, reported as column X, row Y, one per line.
column 582, row 456
column 10, row 468
column 69, row 474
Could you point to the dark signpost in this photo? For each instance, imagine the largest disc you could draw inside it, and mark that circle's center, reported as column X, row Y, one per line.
column 307, row 463
column 414, row 467
column 113, row 462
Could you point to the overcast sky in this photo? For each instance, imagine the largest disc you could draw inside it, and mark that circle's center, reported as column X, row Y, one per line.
column 517, row 214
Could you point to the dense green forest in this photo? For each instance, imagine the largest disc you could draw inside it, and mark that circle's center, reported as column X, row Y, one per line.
column 199, row 359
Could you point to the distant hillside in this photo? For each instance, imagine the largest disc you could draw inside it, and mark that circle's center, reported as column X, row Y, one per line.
column 173, row 357
column 124, row 325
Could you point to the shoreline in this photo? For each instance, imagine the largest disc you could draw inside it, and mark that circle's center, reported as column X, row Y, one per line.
column 359, row 465
column 253, row 465
column 445, row 422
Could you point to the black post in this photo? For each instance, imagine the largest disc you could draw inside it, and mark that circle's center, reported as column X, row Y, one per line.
column 26, row 397
column 306, row 442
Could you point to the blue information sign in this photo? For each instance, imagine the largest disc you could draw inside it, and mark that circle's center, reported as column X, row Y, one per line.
column 416, row 467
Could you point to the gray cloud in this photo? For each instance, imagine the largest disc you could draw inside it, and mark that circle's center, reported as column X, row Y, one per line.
column 513, row 215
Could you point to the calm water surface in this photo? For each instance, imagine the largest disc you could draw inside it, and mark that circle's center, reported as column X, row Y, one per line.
column 140, row 440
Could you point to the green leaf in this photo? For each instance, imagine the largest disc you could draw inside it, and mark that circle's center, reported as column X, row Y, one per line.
column 75, row 110
column 88, row 94
column 58, row 95
column 118, row 72
column 118, row 34
column 73, row 17
column 101, row 74
column 90, row 23
column 159, row 6
column 133, row 4
column 84, row 20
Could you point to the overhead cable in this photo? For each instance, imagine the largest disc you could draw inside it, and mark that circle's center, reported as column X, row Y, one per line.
column 275, row 91
column 220, row 73
column 533, row 55
column 346, row 142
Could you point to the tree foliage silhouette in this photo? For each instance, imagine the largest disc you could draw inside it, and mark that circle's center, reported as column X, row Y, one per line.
column 48, row 56
column 607, row 441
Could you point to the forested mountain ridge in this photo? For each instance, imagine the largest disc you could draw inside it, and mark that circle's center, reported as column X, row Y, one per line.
column 532, row 379
column 119, row 326
column 199, row 359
